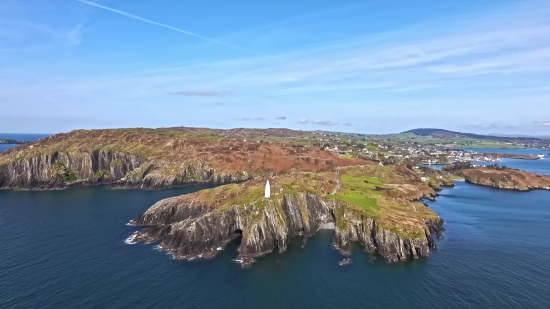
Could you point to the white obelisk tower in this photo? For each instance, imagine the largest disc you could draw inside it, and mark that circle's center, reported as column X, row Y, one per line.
column 267, row 190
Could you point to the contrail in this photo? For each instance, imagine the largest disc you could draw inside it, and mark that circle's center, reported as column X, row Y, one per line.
column 160, row 25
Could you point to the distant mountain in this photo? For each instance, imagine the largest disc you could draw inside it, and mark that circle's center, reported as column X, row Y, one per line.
column 441, row 133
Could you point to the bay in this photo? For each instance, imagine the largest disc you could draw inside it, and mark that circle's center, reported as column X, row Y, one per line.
column 540, row 166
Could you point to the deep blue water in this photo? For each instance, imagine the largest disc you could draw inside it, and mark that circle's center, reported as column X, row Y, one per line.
column 20, row 136
column 65, row 249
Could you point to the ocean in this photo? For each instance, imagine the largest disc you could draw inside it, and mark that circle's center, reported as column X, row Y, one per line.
column 67, row 249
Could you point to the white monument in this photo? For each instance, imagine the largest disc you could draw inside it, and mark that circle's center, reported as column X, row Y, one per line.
column 267, row 190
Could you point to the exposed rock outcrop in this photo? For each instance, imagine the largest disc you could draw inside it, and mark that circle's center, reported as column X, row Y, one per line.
column 190, row 231
column 61, row 170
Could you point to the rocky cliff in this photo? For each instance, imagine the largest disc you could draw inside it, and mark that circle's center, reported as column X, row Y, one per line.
column 189, row 228
column 61, row 170
column 394, row 245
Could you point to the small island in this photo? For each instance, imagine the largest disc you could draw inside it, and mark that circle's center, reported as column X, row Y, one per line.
column 7, row 141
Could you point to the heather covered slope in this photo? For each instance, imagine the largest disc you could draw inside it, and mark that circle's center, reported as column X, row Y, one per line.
column 375, row 206
column 159, row 158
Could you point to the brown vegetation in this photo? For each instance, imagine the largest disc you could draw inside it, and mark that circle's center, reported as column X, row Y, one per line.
column 224, row 150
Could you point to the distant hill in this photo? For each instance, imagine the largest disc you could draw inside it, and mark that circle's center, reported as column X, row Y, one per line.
column 441, row 133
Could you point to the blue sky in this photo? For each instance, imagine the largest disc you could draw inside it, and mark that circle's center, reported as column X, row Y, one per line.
column 368, row 67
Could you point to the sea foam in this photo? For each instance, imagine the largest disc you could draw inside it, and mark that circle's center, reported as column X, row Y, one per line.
column 131, row 240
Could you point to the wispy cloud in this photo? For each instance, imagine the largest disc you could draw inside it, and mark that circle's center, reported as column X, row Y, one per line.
column 252, row 119
column 200, row 93
column 325, row 123
column 161, row 24
column 348, row 124
column 494, row 125
column 303, row 121
column 27, row 36
column 543, row 122
column 281, row 117
column 475, row 46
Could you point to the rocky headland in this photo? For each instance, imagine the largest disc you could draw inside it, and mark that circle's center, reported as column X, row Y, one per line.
column 509, row 179
column 376, row 207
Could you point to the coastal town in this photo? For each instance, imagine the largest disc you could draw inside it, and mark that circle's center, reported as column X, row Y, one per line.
column 411, row 153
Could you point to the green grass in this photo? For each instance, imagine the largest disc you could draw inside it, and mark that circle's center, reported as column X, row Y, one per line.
column 359, row 191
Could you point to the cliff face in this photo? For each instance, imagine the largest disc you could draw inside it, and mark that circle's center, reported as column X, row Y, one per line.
column 62, row 170
column 354, row 226
column 190, row 230
column 506, row 179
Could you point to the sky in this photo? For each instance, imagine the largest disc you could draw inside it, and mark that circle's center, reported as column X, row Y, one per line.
column 352, row 66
